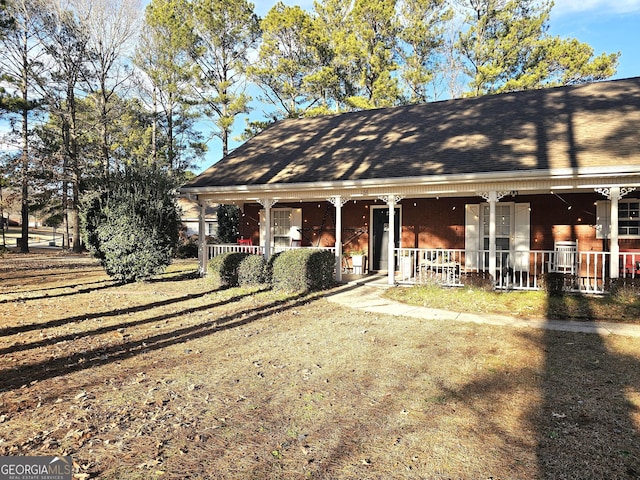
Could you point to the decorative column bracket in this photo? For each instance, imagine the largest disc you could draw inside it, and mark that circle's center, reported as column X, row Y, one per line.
column 337, row 200
column 390, row 199
column 606, row 191
column 499, row 195
column 267, row 202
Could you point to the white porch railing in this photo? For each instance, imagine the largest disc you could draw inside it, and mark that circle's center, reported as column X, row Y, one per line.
column 215, row 250
column 514, row 270
column 520, row 270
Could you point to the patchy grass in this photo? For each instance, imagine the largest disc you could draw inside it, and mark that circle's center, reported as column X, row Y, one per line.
column 174, row 379
column 622, row 307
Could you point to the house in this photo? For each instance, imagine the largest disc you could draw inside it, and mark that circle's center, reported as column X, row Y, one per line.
column 513, row 185
column 190, row 217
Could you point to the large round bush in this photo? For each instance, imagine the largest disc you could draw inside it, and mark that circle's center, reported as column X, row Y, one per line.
column 132, row 223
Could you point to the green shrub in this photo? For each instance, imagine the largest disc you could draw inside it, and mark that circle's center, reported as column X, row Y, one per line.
column 130, row 222
column 223, row 269
column 252, row 271
column 479, row 280
column 303, row 270
column 228, row 223
column 188, row 247
column 556, row 284
column 129, row 250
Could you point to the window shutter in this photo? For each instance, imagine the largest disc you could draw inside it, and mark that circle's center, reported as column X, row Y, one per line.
column 472, row 235
column 603, row 219
column 522, row 236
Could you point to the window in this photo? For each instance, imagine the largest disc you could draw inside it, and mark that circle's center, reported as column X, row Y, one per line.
column 286, row 226
column 503, row 232
column 281, row 227
column 503, row 226
column 513, row 232
column 629, row 218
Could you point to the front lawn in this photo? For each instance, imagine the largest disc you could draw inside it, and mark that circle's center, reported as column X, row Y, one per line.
column 622, row 307
column 172, row 378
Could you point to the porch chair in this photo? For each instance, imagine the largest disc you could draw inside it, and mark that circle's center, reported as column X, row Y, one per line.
column 246, row 242
column 629, row 262
column 564, row 258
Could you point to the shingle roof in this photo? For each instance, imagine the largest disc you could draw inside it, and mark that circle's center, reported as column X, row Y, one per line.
column 594, row 125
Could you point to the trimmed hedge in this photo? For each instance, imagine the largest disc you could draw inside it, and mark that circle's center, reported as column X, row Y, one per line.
column 223, row 269
column 298, row 270
column 252, row 271
column 303, row 269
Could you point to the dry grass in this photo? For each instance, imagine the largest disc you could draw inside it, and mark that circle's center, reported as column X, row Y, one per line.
column 172, row 379
column 624, row 306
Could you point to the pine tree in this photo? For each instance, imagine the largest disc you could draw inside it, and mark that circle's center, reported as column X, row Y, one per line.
column 226, row 32
column 507, row 47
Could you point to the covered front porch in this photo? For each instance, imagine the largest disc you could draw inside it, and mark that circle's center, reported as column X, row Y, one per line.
column 513, row 239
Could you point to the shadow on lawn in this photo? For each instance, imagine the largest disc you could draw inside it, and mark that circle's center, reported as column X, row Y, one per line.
column 16, row 377
column 112, row 328
column 88, row 289
column 161, row 278
column 47, row 289
column 585, row 424
column 91, row 316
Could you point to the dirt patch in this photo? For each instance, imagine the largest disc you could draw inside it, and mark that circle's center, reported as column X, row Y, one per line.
column 173, row 379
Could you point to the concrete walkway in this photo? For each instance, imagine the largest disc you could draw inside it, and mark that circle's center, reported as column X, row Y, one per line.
column 366, row 295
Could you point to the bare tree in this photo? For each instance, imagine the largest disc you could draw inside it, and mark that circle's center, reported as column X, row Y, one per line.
column 65, row 42
column 110, row 27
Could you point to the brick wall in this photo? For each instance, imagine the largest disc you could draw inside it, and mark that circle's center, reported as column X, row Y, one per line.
column 440, row 223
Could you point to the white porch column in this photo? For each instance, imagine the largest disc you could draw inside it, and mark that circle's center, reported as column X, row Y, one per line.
column 267, row 203
column 614, row 259
column 614, row 194
column 203, row 254
column 338, row 202
column 392, row 201
column 493, row 197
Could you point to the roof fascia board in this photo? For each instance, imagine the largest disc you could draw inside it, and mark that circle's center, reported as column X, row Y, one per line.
column 538, row 180
column 426, row 191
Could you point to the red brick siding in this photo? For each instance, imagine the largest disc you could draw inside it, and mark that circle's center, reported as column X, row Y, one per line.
column 440, row 223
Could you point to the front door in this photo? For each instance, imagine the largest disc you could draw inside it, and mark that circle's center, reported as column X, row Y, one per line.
column 380, row 241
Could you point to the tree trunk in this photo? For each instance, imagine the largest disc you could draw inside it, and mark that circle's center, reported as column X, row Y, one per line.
column 24, row 246
column 154, row 129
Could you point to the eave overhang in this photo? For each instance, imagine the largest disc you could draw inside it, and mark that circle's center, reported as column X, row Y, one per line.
column 455, row 185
